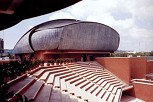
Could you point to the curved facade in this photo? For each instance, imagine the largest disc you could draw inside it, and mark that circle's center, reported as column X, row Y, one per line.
column 68, row 34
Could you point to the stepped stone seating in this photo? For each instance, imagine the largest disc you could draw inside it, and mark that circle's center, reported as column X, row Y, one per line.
column 75, row 82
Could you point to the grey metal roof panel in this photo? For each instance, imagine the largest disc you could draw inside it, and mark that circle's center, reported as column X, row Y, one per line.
column 56, row 24
column 69, row 35
column 89, row 36
column 46, row 39
column 23, row 45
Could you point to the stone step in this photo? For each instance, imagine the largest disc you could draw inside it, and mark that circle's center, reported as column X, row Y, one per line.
column 55, row 95
column 87, row 86
column 70, row 88
column 118, row 95
column 50, row 79
column 44, row 94
column 93, row 78
column 111, row 98
column 65, row 97
column 106, row 95
column 96, row 92
column 63, row 85
column 63, row 73
column 38, row 73
column 75, row 79
column 83, row 73
column 101, row 93
column 67, row 75
column 112, row 86
column 80, row 82
column 93, row 88
column 71, row 77
column 32, row 92
column 57, row 82
column 84, row 84
column 109, row 84
column 115, row 89
column 21, row 87
column 90, row 76
column 18, row 79
column 97, row 80
column 18, row 87
column 44, row 76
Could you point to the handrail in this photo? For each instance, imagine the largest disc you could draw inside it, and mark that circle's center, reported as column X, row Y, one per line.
column 142, row 80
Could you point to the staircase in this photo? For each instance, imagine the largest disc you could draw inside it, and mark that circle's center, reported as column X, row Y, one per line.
column 75, row 82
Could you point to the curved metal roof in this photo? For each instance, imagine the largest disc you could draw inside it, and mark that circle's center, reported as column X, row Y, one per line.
column 68, row 34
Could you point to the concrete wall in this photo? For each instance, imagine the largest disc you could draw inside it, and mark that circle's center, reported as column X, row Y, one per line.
column 118, row 66
column 149, row 66
column 126, row 68
column 142, row 90
column 138, row 66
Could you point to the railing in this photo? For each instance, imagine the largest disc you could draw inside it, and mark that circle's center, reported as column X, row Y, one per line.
column 143, row 81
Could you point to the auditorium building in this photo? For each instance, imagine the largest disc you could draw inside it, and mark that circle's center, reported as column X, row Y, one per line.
column 68, row 38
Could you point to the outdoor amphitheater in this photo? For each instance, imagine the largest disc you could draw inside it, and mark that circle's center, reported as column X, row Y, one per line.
column 75, row 66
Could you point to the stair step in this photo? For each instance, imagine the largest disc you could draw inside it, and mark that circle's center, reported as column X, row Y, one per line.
column 84, row 84
column 63, row 85
column 76, row 79
column 38, row 73
column 57, row 82
column 44, row 94
column 65, row 97
column 97, row 80
column 71, row 77
column 104, row 83
column 50, row 79
column 80, row 82
column 17, row 88
column 111, row 97
column 73, row 98
column 70, row 88
column 55, row 95
column 116, row 88
column 63, row 72
column 96, row 92
column 67, row 75
column 44, row 76
column 32, row 92
column 112, row 86
column 118, row 95
column 101, row 93
column 106, row 95
column 90, row 76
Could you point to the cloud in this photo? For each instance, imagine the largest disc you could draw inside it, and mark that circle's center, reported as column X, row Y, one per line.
column 132, row 19
column 61, row 15
column 31, row 27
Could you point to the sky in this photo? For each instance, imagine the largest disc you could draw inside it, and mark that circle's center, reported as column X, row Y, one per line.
column 132, row 19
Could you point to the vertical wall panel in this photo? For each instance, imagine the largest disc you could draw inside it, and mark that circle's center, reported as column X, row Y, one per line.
column 89, row 36
column 46, row 39
column 23, row 45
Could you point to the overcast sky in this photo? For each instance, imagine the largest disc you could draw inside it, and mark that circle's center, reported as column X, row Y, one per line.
column 132, row 19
